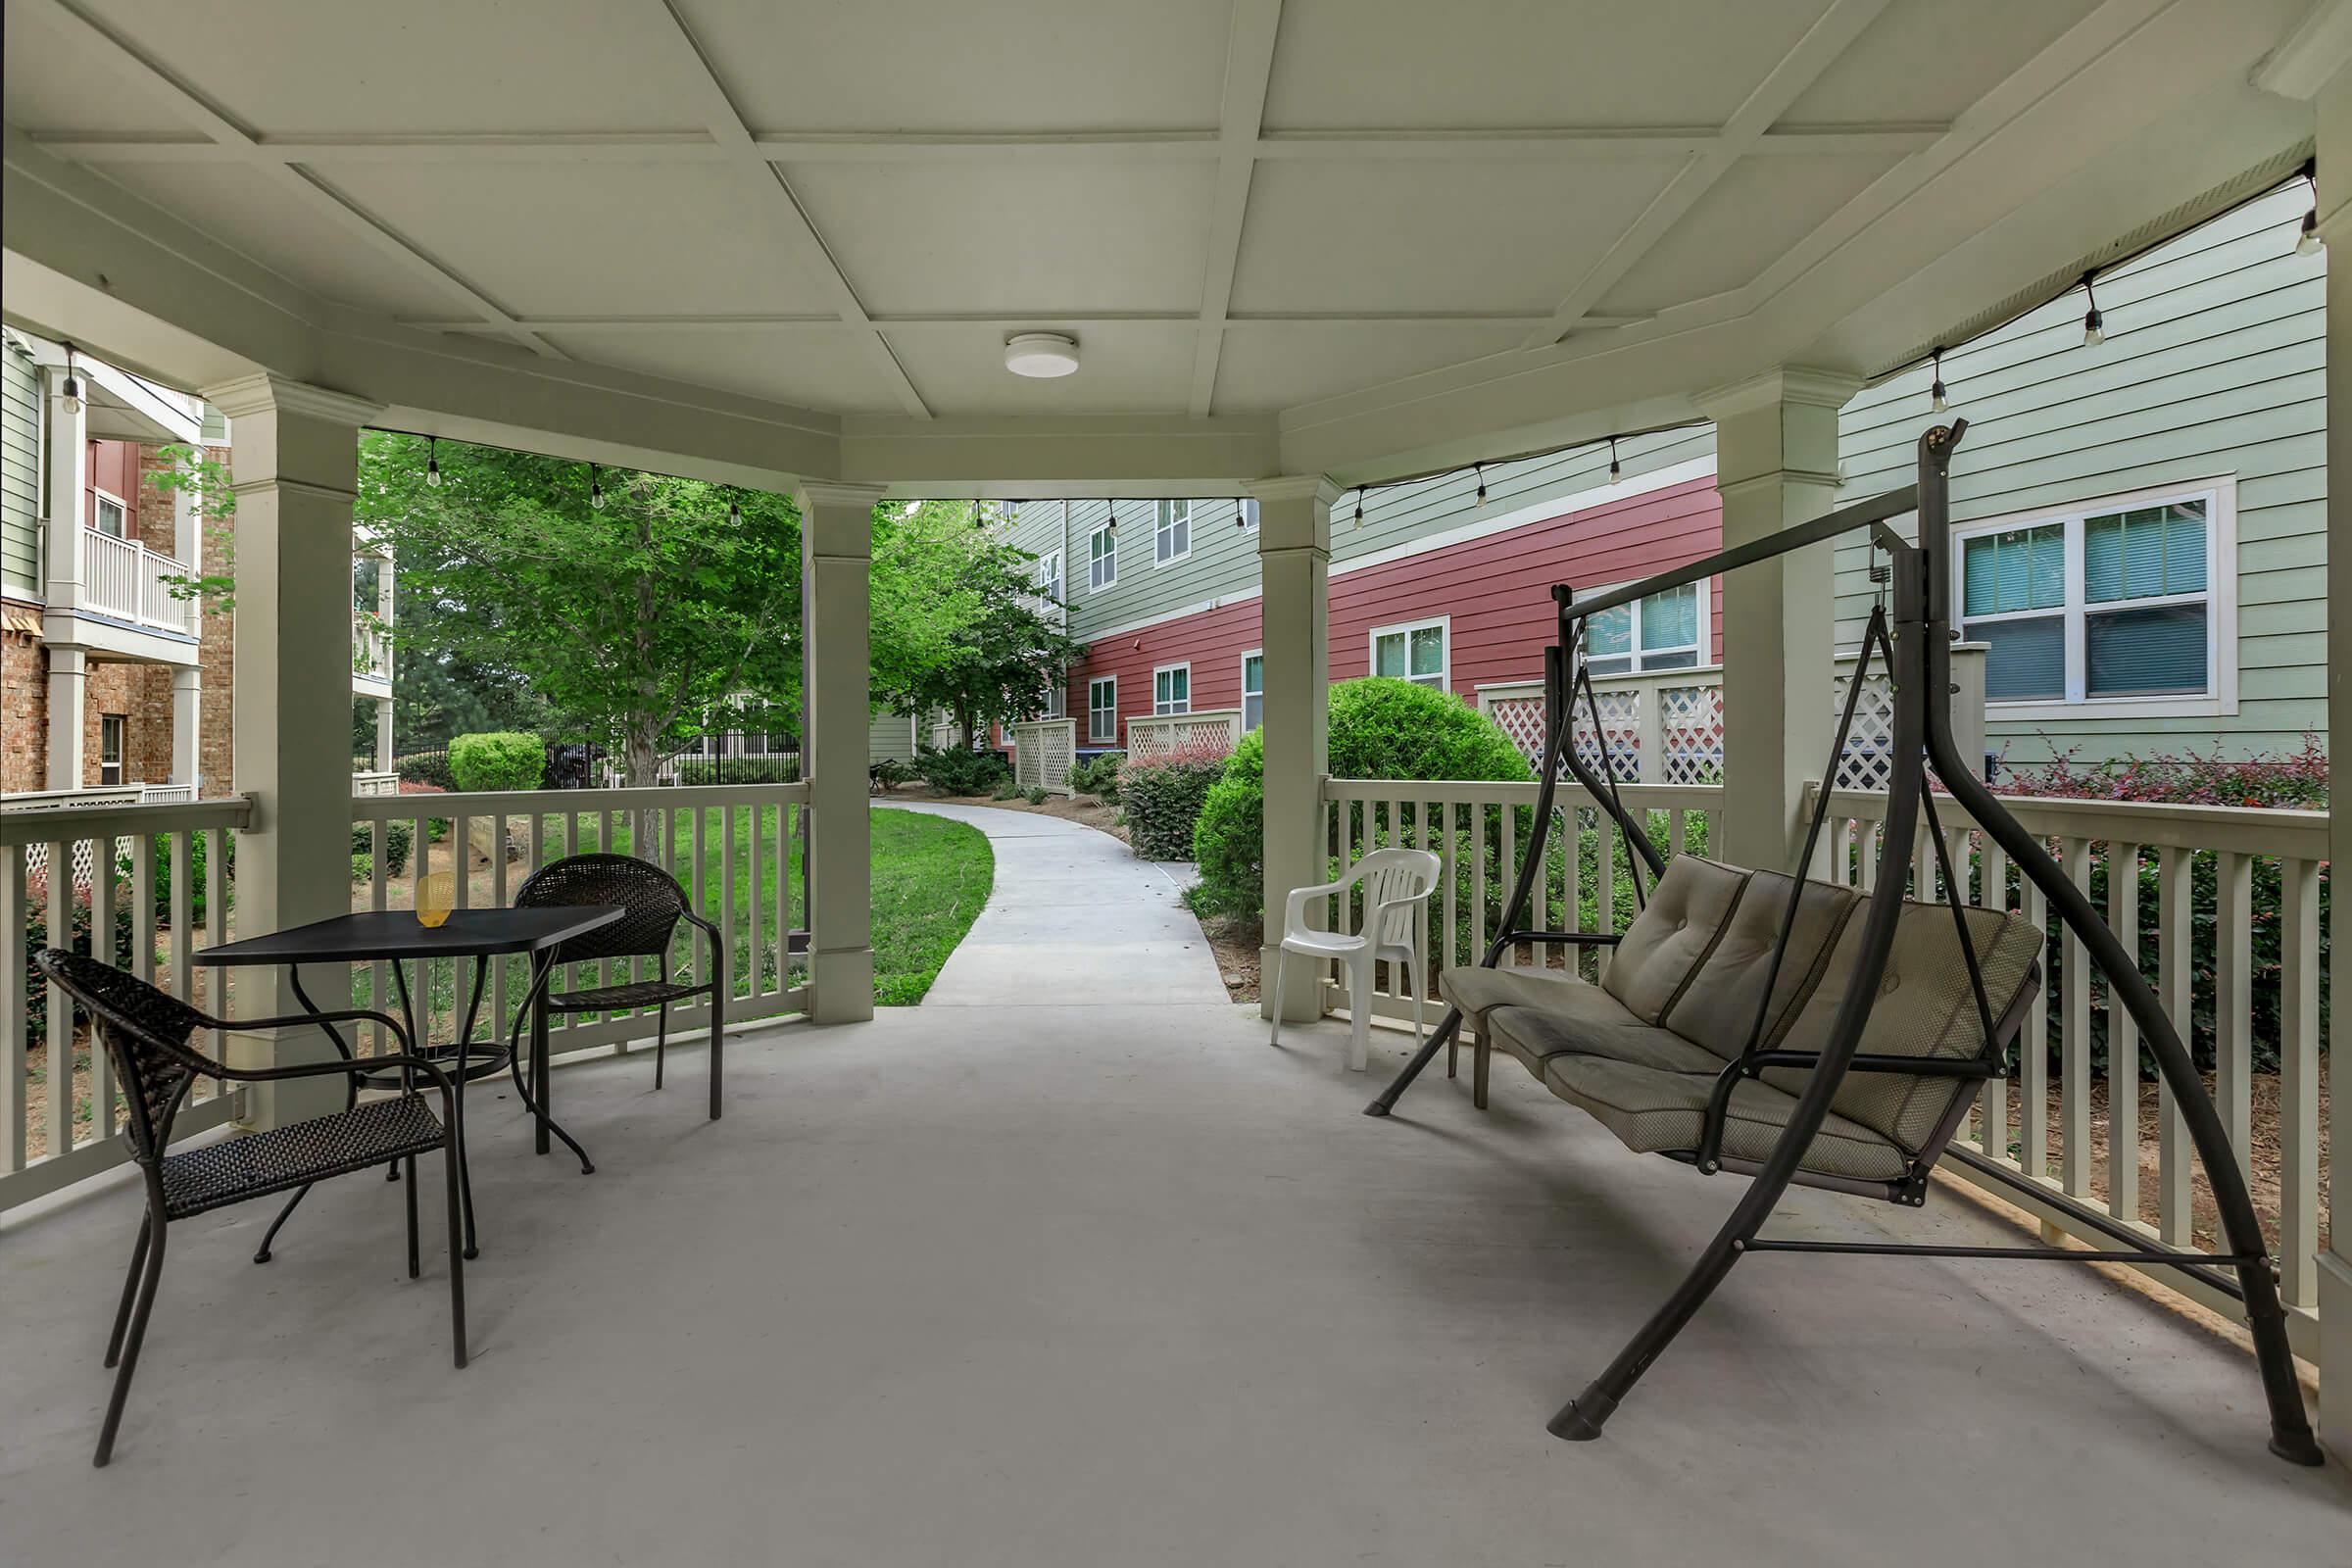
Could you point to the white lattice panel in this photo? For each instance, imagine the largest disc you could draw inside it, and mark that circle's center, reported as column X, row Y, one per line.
column 1691, row 734
column 1044, row 752
column 1522, row 719
column 1620, row 730
column 1195, row 734
column 1870, row 744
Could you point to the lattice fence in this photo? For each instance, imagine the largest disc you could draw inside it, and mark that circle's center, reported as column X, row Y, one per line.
column 1691, row 734
column 1679, row 738
column 1164, row 734
column 1044, row 751
column 1619, row 730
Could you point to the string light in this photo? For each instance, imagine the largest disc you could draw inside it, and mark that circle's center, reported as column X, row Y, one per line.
column 72, row 387
column 1482, row 483
column 1113, row 526
column 1359, row 507
column 596, row 489
column 1615, row 471
column 734, row 509
column 432, row 460
column 1938, row 398
column 2094, row 325
column 2308, row 242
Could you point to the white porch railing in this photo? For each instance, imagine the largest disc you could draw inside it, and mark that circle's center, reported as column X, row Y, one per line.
column 375, row 783
column 124, row 580
column 740, row 850
column 1665, row 726
column 1044, row 751
column 2261, row 870
column 1212, row 729
column 154, row 878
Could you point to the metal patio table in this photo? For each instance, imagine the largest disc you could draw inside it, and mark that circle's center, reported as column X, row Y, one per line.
column 396, row 937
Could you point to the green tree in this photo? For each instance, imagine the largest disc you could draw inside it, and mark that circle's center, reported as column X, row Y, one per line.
column 632, row 620
column 956, row 620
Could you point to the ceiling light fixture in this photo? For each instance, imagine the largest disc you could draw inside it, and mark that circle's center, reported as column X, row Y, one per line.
column 2308, row 242
column 1041, row 355
column 1615, row 473
column 1938, row 398
column 2094, row 325
column 432, row 460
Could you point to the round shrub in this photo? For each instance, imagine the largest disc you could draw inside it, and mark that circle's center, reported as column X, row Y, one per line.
column 1165, row 797
column 497, row 761
column 1380, row 727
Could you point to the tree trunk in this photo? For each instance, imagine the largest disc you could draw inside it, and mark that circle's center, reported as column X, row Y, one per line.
column 641, row 761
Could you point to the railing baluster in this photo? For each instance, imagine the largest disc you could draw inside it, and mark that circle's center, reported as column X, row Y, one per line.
column 1509, row 866
column 1992, row 1104
column 699, row 892
column 2174, row 868
column 2123, row 1040
column 726, row 889
column 61, row 1006
column 498, row 900
column 752, row 898
column 14, row 1022
column 2074, row 1038
column 2233, row 1003
column 380, row 882
column 569, row 979
column 460, row 973
column 1477, row 883
column 1450, row 954
column 2034, row 1051
column 783, row 896
column 102, row 946
column 2298, row 1082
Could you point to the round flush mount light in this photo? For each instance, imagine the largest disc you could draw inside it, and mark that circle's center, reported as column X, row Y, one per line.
column 1041, row 355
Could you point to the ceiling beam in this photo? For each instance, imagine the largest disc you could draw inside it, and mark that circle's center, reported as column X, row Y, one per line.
column 787, row 321
column 1371, row 144
column 1750, row 124
column 772, row 196
column 144, row 79
column 1240, row 121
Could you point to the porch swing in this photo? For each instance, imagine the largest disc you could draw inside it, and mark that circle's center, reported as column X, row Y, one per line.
column 1799, row 1032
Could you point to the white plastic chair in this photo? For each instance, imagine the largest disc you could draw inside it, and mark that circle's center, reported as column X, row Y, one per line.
column 1397, row 888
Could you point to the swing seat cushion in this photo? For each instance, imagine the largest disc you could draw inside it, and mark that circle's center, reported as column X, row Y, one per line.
column 1654, row 1112
column 1536, row 1014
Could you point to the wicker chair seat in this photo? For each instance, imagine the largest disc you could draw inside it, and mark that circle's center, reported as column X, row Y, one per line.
column 628, row 994
column 230, row 1171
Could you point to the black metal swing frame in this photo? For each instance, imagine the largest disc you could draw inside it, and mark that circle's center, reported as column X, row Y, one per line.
column 1919, row 661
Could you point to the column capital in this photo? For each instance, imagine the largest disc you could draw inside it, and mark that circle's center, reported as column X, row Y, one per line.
column 809, row 493
column 265, row 393
column 1318, row 487
column 1804, row 386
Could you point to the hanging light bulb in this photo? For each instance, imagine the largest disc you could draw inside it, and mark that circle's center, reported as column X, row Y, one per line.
column 734, row 509
column 2308, row 241
column 596, row 489
column 2094, row 325
column 1482, row 483
column 1615, row 473
column 1938, row 398
column 1359, row 508
column 975, row 512
column 1113, row 526
column 72, row 387
column 432, row 460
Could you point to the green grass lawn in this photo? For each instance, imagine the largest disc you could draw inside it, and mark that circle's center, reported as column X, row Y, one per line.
column 931, row 876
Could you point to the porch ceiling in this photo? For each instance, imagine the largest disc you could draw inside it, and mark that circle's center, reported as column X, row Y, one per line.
column 1358, row 233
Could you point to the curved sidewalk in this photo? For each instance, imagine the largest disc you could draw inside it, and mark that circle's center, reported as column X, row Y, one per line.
column 1073, row 919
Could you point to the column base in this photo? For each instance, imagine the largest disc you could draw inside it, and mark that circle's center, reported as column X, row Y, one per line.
column 841, row 985
column 278, row 1104
column 1301, row 997
column 2336, row 1357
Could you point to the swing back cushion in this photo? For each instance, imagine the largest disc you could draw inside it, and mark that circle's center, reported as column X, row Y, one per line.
column 1677, row 1003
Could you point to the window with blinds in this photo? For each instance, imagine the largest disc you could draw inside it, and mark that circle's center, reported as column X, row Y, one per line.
column 1660, row 632
column 1414, row 651
column 2108, row 604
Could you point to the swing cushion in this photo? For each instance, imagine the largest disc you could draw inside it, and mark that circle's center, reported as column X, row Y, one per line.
column 1719, row 1006
column 1662, row 950
column 1652, row 1111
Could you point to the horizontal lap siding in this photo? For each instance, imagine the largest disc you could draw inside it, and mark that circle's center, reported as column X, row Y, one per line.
column 1212, row 642
column 20, row 471
column 2215, row 366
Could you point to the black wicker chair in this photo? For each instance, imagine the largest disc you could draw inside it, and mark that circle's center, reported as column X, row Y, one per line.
column 148, row 1034
column 655, row 904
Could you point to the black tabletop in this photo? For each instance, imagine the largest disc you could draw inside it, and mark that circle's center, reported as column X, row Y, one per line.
column 373, row 934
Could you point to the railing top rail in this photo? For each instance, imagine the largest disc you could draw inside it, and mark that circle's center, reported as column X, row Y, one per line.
column 121, row 821
column 548, row 803
column 1041, row 724
column 2293, row 834
column 1195, row 715
column 1497, row 791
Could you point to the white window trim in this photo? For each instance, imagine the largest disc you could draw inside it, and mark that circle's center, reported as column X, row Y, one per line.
column 1111, row 582
column 1706, row 632
column 1186, row 518
column 1248, row 506
column 1092, row 738
column 1049, row 582
column 1444, row 623
column 2221, row 593
column 1159, row 670
column 1243, row 703
column 103, row 494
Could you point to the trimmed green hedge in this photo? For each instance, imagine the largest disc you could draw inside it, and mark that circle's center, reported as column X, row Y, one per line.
column 498, row 761
column 1165, row 797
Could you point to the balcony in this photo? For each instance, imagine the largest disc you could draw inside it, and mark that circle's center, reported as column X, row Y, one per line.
column 123, row 602
column 371, row 657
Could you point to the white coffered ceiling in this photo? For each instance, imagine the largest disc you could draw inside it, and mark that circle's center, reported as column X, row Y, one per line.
column 1370, row 227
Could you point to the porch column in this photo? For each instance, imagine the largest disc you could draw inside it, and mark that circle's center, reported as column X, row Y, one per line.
column 61, row 580
column 2334, row 103
column 68, row 686
column 1294, row 563
column 293, row 462
column 187, row 718
column 1776, row 466
column 383, row 706
column 837, row 530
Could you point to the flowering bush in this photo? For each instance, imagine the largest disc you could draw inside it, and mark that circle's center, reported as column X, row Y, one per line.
column 2298, row 779
column 1163, row 795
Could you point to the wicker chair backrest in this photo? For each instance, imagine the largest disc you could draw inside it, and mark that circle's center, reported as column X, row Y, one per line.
column 652, row 897
column 146, row 1032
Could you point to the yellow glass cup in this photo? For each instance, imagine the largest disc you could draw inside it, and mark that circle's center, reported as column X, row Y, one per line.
column 436, row 896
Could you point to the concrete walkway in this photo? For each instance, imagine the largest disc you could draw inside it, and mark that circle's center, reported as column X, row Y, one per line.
column 1074, row 919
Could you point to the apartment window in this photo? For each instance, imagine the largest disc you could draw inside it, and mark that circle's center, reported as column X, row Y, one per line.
column 1172, row 689
column 2114, row 602
column 1249, row 511
column 1414, row 650
column 1102, row 710
column 1254, row 690
column 1664, row 631
column 1102, row 559
column 1049, row 576
column 1172, row 532
column 109, row 516
column 110, row 749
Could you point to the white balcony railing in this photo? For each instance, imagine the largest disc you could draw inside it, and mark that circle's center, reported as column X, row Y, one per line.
column 2206, row 880
column 371, row 649
column 123, row 579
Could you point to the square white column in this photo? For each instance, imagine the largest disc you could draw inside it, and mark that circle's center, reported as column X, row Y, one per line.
column 1776, row 466
column 1294, row 561
column 294, row 462
column 69, row 690
column 187, row 723
column 837, row 527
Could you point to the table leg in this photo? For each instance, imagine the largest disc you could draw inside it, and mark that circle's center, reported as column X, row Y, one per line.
column 535, row 1093
column 351, row 1098
column 464, row 1061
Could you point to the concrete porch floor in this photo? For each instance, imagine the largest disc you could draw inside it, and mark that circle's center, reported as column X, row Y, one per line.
column 1087, row 1285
